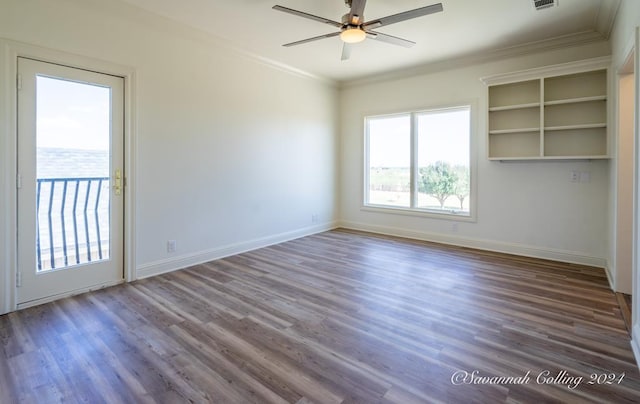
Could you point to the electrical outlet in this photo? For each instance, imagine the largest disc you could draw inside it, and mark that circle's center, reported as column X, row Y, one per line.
column 171, row 246
column 574, row 176
column 454, row 227
column 314, row 218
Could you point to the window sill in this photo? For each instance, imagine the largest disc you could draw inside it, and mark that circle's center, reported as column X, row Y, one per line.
column 430, row 214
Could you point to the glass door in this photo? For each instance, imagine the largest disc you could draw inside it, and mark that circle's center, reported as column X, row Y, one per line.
column 70, row 197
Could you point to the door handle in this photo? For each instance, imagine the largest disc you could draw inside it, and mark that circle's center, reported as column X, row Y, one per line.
column 117, row 186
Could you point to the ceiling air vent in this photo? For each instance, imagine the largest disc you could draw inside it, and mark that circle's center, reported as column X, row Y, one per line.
column 542, row 4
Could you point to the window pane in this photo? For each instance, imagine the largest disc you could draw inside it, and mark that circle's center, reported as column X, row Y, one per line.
column 73, row 134
column 444, row 160
column 390, row 161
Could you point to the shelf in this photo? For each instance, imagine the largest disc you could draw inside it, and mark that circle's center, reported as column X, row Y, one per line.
column 550, row 158
column 576, row 100
column 514, row 119
column 519, row 93
column 572, row 127
column 582, row 114
column 507, row 131
column 576, row 142
column 551, row 117
column 526, row 158
column 514, row 145
column 518, row 106
column 578, row 85
column 589, row 157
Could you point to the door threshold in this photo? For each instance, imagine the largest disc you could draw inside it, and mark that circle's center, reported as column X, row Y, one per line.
column 48, row 299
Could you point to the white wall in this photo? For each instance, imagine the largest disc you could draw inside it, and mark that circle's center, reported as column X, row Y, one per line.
column 622, row 42
column 230, row 153
column 525, row 208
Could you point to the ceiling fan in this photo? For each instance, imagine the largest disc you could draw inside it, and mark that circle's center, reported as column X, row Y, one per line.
column 354, row 29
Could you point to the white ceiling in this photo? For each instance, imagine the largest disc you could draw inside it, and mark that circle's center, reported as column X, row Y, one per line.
column 464, row 28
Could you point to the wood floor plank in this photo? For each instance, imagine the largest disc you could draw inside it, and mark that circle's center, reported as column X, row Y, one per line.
column 202, row 346
column 337, row 317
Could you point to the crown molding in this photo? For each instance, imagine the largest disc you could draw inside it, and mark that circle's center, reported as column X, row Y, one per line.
column 606, row 17
column 160, row 22
column 549, row 71
column 604, row 23
column 565, row 41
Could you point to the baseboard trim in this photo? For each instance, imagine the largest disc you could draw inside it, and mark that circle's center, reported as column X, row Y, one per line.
column 635, row 337
column 610, row 278
column 187, row 260
column 481, row 244
column 184, row 261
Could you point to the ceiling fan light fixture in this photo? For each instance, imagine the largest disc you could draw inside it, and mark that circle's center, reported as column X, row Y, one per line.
column 353, row 35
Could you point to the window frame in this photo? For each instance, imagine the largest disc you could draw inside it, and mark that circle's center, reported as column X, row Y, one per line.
column 413, row 210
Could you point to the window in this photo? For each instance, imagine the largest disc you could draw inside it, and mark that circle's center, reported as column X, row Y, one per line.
column 420, row 161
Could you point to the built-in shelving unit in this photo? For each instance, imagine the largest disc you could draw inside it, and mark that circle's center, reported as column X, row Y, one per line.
column 558, row 112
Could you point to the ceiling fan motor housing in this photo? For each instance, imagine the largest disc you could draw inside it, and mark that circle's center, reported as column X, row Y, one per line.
column 355, row 22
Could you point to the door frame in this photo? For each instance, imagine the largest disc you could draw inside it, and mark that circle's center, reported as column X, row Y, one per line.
column 9, row 53
column 632, row 50
column 623, row 244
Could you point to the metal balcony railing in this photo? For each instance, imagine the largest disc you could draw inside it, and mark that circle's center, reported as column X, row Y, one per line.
column 72, row 217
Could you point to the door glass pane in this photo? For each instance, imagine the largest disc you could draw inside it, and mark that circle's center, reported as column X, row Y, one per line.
column 389, row 161
column 73, row 133
column 444, row 160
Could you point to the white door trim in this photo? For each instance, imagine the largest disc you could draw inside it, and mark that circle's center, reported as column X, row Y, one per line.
column 635, row 321
column 9, row 53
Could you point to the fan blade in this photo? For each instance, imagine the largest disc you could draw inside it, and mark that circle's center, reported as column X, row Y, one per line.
column 394, row 40
column 315, row 38
column 346, row 51
column 307, row 15
column 407, row 15
column 357, row 10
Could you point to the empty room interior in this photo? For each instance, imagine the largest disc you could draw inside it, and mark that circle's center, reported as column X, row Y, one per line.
column 337, row 201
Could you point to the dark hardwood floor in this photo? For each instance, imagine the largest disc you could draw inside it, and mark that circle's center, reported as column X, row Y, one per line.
column 338, row 317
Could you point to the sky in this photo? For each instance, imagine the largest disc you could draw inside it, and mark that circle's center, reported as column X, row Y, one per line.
column 72, row 115
column 442, row 135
